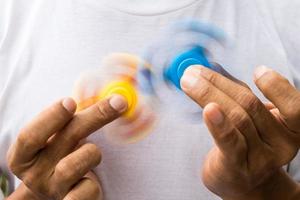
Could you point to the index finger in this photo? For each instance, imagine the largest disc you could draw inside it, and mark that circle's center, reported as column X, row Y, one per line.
column 86, row 122
column 262, row 118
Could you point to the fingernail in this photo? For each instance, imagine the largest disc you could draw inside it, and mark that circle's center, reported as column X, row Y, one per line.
column 260, row 71
column 69, row 104
column 118, row 103
column 190, row 77
column 216, row 116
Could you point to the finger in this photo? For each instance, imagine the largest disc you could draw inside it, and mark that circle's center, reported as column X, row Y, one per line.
column 228, row 139
column 23, row 192
column 269, row 130
column 86, row 189
column 203, row 92
column 276, row 113
column 269, row 105
column 34, row 136
column 74, row 166
column 86, row 122
column 281, row 93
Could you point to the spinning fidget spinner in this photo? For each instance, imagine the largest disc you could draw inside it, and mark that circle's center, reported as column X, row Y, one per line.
column 118, row 76
column 181, row 45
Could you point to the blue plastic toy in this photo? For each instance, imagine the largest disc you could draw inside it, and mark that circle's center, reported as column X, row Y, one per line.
column 174, row 72
column 180, row 45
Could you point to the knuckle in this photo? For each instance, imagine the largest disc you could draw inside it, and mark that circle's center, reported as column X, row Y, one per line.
column 31, row 180
column 64, row 171
column 104, row 113
column 28, row 181
column 72, row 133
column 202, row 93
column 25, row 140
column 72, row 137
column 293, row 108
column 55, row 190
column 93, row 150
column 249, row 102
column 210, row 76
column 228, row 137
column 38, row 181
column 239, row 119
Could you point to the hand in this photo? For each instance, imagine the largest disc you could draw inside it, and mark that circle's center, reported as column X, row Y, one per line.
column 285, row 100
column 46, row 158
column 252, row 144
column 23, row 192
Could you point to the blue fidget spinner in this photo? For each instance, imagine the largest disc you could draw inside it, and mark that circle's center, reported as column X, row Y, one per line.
column 174, row 72
column 176, row 55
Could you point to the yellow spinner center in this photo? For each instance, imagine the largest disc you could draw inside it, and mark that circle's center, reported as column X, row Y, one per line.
column 125, row 89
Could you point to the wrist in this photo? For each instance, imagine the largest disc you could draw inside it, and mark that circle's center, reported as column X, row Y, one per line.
column 279, row 186
column 21, row 193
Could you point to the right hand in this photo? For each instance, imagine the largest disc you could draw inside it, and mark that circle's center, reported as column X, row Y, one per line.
column 45, row 155
column 251, row 144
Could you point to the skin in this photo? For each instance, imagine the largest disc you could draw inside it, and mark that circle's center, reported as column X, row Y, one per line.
column 252, row 140
column 49, row 158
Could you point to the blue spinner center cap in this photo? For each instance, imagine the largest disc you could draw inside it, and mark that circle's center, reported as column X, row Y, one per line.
column 185, row 64
column 180, row 63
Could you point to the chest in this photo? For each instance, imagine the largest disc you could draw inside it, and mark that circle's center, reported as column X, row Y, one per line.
column 75, row 39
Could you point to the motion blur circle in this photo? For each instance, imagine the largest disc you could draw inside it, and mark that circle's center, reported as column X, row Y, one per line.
column 118, row 75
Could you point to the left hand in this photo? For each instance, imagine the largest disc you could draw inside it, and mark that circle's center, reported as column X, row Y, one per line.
column 253, row 141
column 23, row 192
column 47, row 157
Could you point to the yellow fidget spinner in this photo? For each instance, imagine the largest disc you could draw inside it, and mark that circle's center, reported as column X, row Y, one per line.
column 118, row 75
column 124, row 88
column 121, row 87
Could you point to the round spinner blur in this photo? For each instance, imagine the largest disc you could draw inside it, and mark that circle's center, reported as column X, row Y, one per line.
column 118, row 75
column 182, row 44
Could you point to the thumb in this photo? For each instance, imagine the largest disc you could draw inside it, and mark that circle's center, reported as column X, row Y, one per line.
column 228, row 139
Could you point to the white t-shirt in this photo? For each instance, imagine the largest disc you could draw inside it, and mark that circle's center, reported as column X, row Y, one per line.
column 45, row 45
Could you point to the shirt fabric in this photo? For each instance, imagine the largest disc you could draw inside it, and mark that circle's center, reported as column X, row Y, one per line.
column 45, row 45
